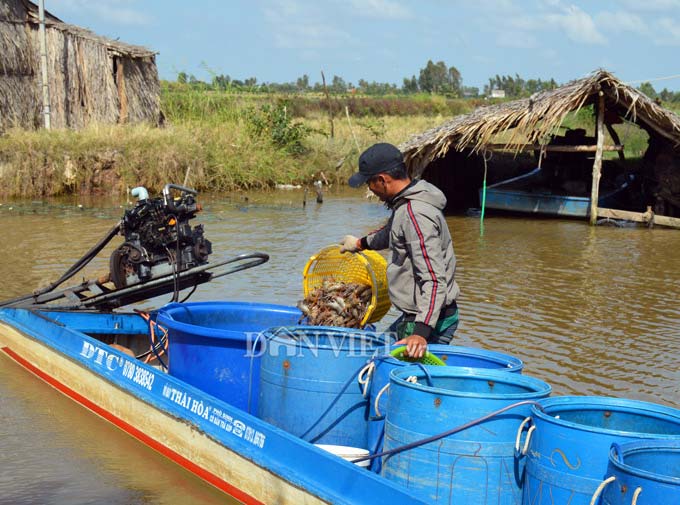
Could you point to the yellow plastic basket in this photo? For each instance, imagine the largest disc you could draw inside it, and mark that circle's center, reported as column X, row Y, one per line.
column 365, row 267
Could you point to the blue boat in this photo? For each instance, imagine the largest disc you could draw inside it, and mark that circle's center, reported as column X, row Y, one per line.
column 526, row 194
column 234, row 451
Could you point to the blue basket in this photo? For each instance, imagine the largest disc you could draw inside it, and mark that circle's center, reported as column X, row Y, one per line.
column 569, row 447
column 451, row 355
column 644, row 472
column 215, row 345
column 308, row 382
column 476, row 465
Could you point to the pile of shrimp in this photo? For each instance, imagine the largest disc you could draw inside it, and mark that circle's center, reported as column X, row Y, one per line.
column 336, row 304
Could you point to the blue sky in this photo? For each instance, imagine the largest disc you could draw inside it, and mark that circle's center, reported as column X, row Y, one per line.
column 387, row 40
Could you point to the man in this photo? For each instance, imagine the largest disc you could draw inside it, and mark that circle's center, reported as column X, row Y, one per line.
column 422, row 266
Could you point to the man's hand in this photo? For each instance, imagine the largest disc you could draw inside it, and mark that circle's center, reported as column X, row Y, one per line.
column 350, row 244
column 416, row 346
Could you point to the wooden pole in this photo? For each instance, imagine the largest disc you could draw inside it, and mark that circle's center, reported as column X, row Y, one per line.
column 648, row 218
column 597, row 165
column 43, row 65
column 330, row 105
column 549, row 148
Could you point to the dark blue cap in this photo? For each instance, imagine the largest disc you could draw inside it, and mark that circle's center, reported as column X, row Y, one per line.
column 375, row 160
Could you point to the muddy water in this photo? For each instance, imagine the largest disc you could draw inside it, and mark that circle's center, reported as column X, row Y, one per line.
column 590, row 310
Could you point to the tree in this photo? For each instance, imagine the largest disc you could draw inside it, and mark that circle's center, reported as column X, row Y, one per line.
column 433, row 77
column 182, row 78
column 338, row 85
column 302, row 83
column 648, row 89
column 410, row 85
column 438, row 78
column 455, row 81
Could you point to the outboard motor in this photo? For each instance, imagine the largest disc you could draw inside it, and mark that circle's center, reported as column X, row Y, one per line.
column 158, row 237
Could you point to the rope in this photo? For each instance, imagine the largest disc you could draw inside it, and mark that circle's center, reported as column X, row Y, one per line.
column 434, row 438
column 330, row 406
column 483, row 204
column 365, row 377
column 635, row 496
column 599, row 489
column 677, row 76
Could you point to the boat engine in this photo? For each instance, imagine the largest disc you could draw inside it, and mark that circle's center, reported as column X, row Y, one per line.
column 158, row 237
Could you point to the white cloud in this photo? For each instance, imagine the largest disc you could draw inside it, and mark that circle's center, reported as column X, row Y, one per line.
column 622, row 21
column 383, row 9
column 296, row 27
column 652, row 5
column 577, row 25
column 121, row 12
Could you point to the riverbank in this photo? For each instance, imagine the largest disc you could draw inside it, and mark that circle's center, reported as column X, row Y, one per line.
column 210, row 142
column 219, row 142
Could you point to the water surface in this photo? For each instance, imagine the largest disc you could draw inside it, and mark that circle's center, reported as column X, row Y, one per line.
column 589, row 310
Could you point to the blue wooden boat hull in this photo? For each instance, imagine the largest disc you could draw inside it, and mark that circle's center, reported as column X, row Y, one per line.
column 238, row 453
column 507, row 196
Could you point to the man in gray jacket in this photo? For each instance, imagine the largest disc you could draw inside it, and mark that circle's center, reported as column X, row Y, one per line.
column 422, row 266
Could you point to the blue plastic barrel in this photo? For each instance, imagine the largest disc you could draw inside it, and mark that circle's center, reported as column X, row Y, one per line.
column 214, row 345
column 476, row 465
column 645, row 472
column 308, row 382
column 569, row 447
column 452, row 355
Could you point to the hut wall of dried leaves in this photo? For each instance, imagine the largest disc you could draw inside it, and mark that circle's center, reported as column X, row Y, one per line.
column 92, row 79
column 526, row 124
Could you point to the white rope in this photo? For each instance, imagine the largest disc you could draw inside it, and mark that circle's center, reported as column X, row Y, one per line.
column 655, row 79
column 635, row 496
column 377, row 399
column 526, row 440
column 365, row 376
column 599, row 489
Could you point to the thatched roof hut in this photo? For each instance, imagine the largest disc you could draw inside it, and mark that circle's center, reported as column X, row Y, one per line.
column 527, row 124
column 92, row 79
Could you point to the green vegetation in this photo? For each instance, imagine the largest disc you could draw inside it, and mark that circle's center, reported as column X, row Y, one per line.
column 217, row 142
column 230, row 134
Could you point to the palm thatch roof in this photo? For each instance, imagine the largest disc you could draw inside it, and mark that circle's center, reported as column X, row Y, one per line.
column 536, row 118
column 91, row 79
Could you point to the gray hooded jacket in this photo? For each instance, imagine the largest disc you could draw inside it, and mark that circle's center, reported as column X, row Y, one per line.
column 422, row 266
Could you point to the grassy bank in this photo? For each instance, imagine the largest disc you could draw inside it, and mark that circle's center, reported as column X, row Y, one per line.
column 223, row 142
column 212, row 157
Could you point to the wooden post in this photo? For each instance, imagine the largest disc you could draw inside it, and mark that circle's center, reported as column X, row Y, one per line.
column 328, row 101
column 597, row 165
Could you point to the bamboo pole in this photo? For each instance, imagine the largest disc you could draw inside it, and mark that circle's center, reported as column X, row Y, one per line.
column 43, row 64
column 648, row 218
column 597, row 165
column 330, row 105
column 551, row 148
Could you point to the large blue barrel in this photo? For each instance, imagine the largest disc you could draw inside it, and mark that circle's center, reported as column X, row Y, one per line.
column 475, row 465
column 570, row 441
column 646, row 472
column 452, row 355
column 311, row 370
column 214, row 345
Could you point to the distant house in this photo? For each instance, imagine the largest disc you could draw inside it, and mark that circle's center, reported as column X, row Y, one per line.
column 92, row 79
column 497, row 93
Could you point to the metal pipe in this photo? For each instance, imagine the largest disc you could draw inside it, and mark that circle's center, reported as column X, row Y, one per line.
column 43, row 64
